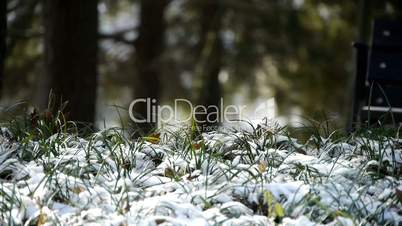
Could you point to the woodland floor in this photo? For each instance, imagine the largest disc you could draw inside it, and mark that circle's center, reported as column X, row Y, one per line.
column 258, row 175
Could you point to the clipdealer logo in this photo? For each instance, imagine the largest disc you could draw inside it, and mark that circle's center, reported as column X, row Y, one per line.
column 198, row 113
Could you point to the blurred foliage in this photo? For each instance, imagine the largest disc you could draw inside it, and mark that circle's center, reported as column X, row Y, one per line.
column 296, row 50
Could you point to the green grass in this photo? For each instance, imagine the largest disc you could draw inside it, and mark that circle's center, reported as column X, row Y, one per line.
column 110, row 161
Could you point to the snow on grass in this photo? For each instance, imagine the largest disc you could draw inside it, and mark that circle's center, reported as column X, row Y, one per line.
column 252, row 177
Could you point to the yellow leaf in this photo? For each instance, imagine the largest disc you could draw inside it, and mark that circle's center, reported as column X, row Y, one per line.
column 268, row 198
column 279, row 211
column 42, row 218
column 262, row 167
column 78, row 189
column 153, row 138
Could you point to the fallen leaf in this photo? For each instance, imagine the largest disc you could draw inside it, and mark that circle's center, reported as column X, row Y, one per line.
column 42, row 218
column 262, row 167
column 78, row 189
column 153, row 138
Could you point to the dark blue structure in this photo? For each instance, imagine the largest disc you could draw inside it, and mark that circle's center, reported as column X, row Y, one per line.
column 378, row 84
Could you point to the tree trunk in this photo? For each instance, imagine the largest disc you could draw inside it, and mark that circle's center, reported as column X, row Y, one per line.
column 149, row 49
column 210, row 62
column 71, row 30
column 3, row 40
column 24, row 15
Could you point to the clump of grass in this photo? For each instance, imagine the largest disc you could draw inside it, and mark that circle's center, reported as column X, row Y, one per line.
column 8, row 201
column 34, row 124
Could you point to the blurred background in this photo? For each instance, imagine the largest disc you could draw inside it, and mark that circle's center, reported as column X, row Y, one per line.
column 100, row 55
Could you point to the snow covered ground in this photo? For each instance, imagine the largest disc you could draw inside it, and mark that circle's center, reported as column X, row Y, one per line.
column 256, row 177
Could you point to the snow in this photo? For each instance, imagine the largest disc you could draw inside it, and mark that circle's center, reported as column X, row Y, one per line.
column 109, row 182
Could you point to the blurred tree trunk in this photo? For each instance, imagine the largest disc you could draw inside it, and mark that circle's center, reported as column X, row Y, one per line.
column 210, row 61
column 24, row 15
column 149, row 49
column 3, row 40
column 71, row 30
